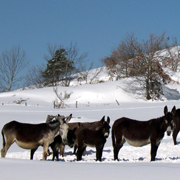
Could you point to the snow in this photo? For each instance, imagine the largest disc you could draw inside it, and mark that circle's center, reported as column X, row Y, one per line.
column 94, row 101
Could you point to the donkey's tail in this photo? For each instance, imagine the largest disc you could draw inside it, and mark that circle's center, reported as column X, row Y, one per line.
column 3, row 138
column 113, row 137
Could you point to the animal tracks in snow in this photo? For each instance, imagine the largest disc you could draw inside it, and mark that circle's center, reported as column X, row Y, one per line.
column 167, row 152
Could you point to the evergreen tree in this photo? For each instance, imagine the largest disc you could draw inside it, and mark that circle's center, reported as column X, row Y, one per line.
column 58, row 68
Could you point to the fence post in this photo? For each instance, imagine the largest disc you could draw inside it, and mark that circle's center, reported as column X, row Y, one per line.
column 117, row 102
column 54, row 104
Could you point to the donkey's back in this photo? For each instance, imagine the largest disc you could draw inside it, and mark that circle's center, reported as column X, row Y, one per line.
column 30, row 132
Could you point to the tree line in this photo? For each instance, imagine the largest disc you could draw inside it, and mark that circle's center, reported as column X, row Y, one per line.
column 60, row 64
column 144, row 60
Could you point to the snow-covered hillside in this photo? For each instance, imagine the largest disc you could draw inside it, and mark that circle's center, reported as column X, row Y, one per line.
column 106, row 92
column 94, row 101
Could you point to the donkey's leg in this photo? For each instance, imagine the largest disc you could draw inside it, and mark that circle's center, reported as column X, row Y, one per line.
column 175, row 133
column 6, row 145
column 99, row 150
column 62, row 147
column 55, row 154
column 32, row 153
column 80, row 152
column 53, row 157
column 97, row 153
column 49, row 152
column 84, row 152
column 118, row 145
column 55, row 149
column 5, row 149
column 75, row 148
column 154, row 148
column 100, row 153
column 45, row 150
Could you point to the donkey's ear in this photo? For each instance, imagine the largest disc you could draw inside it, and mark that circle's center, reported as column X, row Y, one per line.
column 59, row 115
column 79, row 124
column 108, row 120
column 68, row 118
column 103, row 119
column 173, row 111
column 74, row 129
column 165, row 110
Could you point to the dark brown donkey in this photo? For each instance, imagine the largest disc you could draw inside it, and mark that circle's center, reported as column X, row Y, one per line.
column 94, row 138
column 31, row 136
column 140, row 133
column 96, row 125
column 176, row 119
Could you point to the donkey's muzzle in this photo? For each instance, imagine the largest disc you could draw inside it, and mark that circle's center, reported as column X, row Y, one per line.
column 106, row 135
column 169, row 130
column 71, row 145
column 168, row 133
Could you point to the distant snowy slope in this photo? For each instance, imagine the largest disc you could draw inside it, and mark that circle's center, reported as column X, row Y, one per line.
column 103, row 89
column 107, row 92
column 124, row 90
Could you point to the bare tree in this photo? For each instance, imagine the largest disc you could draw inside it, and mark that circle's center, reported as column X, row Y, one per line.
column 60, row 98
column 83, row 73
column 89, row 75
column 118, row 63
column 12, row 61
column 172, row 57
column 142, row 60
column 73, row 55
column 34, row 77
column 94, row 75
column 148, row 65
column 51, row 51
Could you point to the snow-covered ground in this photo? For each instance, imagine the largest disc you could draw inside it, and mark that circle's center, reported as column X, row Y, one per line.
column 94, row 101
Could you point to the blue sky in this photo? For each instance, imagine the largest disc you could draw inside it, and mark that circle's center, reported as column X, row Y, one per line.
column 97, row 26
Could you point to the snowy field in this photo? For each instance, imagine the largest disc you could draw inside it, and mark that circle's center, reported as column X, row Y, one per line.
column 94, row 101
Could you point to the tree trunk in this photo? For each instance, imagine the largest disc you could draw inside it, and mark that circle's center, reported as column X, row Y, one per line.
column 148, row 97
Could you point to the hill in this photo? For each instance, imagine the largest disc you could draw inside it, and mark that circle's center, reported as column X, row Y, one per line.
column 106, row 92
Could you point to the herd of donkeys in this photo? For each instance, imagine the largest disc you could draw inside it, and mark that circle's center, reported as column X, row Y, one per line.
column 57, row 132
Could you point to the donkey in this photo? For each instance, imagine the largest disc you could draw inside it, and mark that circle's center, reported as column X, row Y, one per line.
column 31, row 136
column 96, row 125
column 140, row 133
column 95, row 138
column 176, row 119
column 79, row 126
column 50, row 119
column 58, row 144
